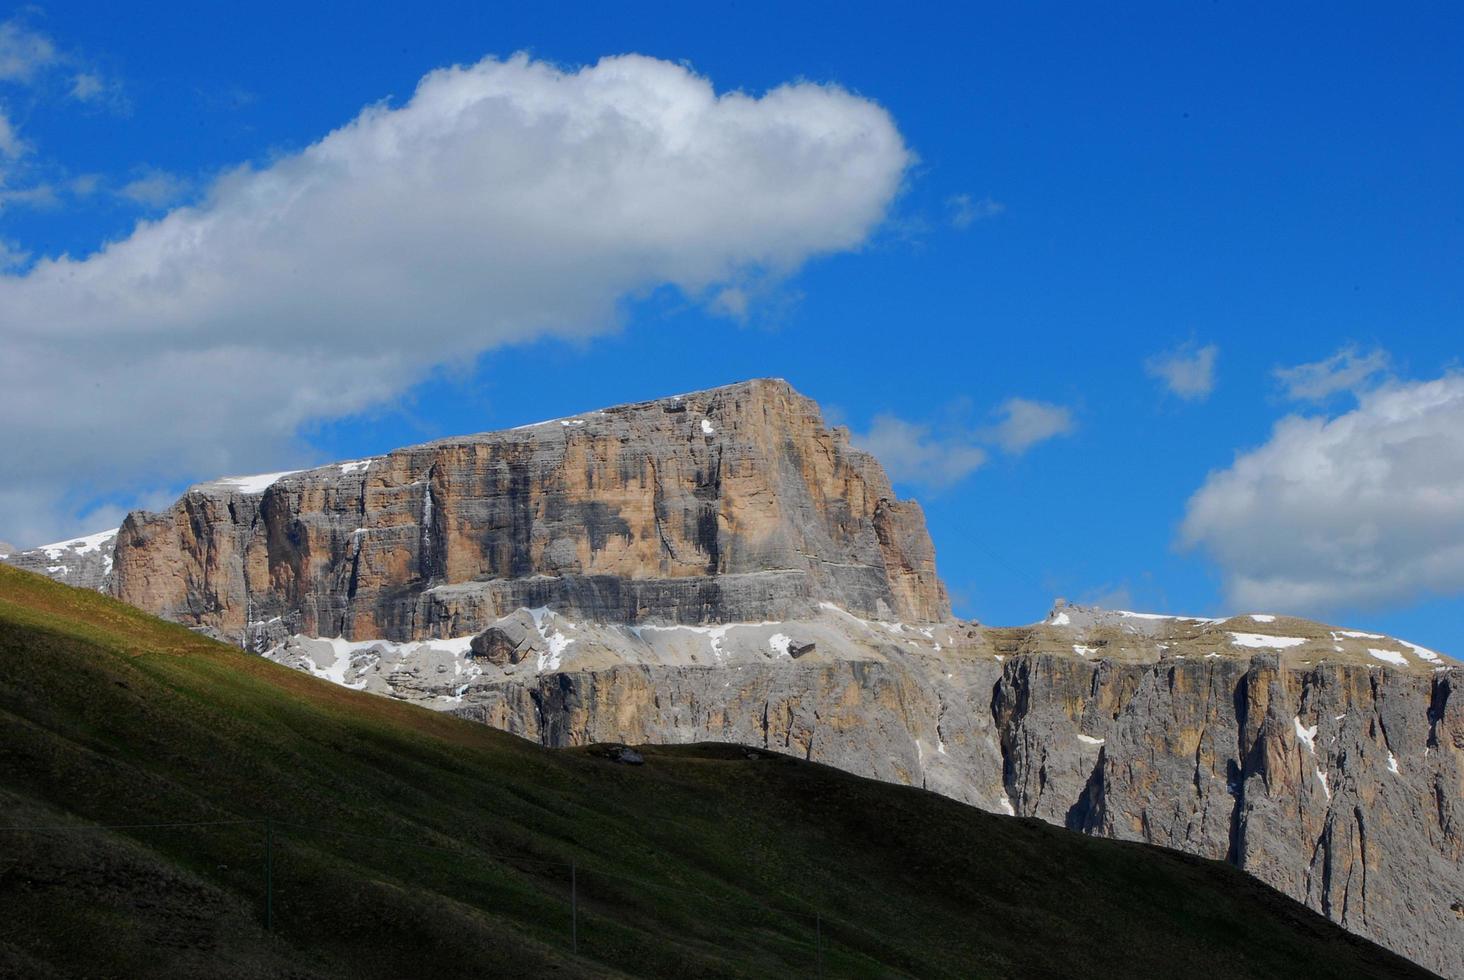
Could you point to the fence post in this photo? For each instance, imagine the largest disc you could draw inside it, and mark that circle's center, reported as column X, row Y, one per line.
column 573, row 909
column 818, row 927
column 268, row 874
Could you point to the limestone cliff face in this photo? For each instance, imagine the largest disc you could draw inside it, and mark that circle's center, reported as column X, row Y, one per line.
column 736, row 503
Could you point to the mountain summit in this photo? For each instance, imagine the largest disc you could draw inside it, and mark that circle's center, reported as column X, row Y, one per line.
column 719, row 506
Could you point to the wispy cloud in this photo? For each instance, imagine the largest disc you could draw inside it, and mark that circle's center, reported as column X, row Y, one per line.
column 911, row 453
column 24, row 53
column 34, row 70
column 1187, row 371
column 154, row 188
column 12, row 146
column 1027, row 422
column 939, row 456
column 1346, row 370
column 964, row 210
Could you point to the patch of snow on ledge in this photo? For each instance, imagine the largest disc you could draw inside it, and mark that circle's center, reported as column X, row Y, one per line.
column 1262, row 618
column 706, row 427
column 1189, row 619
column 1089, row 739
column 1422, row 653
column 81, row 546
column 1260, row 640
column 251, row 484
column 1389, row 657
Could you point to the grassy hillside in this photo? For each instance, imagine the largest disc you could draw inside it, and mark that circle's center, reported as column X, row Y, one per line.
column 408, row 843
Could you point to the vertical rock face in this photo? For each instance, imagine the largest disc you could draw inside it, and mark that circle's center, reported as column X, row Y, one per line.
column 1340, row 785
column 731, row 504
column 722, row 566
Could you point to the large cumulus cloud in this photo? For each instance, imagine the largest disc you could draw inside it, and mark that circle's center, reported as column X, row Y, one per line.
column 505, row 201
column 1362, row 509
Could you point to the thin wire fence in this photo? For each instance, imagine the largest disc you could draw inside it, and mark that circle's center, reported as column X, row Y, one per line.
column 273, row 838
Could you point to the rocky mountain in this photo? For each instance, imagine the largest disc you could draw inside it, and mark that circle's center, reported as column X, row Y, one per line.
column 723, row 566
column 84, row 562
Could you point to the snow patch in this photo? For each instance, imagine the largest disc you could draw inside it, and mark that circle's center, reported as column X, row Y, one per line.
column 557, row 641
column 1006, row 806
column 1388, row 656
column 1261, row 640
column 779, row 644
column 1089, row 739
column 1190, row 619
column 1322, row 778
column 1060, row 619
column 1083, row 651
column 81, row 546
column 706, row 427
column 1423, row 653
column 1262, row 618
column 1392, row 764
column 1358, row 635
column 1306, row 736
column 251, row 484
column 356, row 465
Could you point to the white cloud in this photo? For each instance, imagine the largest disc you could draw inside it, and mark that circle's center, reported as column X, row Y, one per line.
column 966, row 211
column 23, row 52
column 1029, row 422
column 506, row 201
column 30, row 58
column 1187, row 371
column 84, row 185
column 1365, row 509
column 154, row 188
column 1346, row 370
column 86, row 86
column 34, row 196
column 11, row 145
column 937, row 457
column 911, row 454
column 12, row 255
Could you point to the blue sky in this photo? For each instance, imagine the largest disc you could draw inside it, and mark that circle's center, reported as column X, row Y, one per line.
column 1084, row 196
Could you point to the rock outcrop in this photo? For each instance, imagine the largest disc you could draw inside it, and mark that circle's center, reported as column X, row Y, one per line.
column 724, row 505
column 722, row 566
